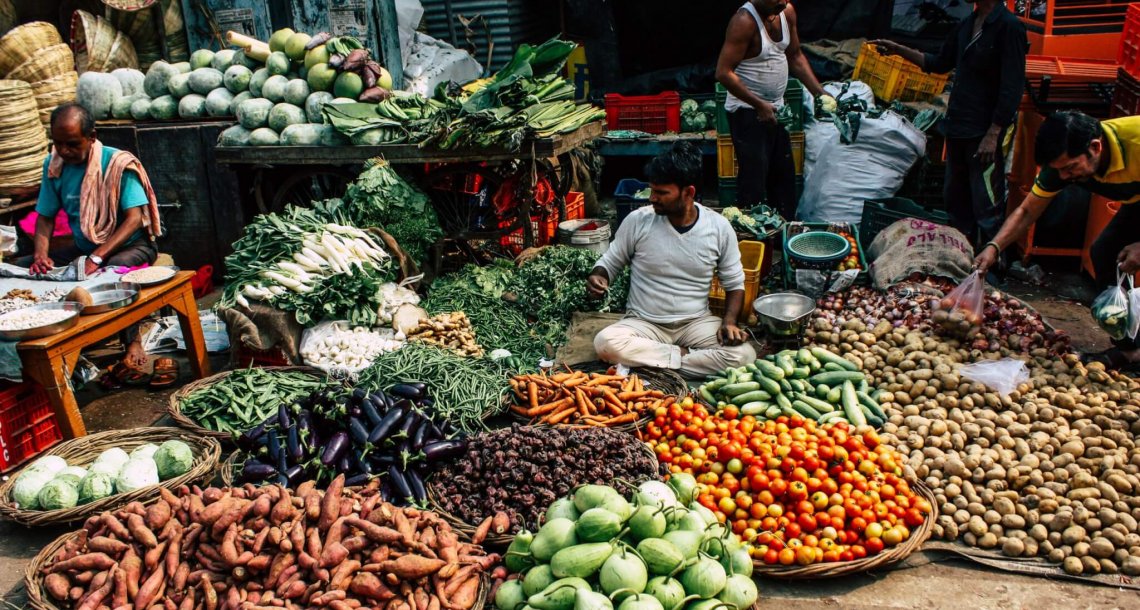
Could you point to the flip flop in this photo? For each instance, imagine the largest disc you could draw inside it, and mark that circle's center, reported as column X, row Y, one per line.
column 165, row 373
column 113, row 378
column 135, row 377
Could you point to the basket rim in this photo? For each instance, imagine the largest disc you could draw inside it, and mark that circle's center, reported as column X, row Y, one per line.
column 208, row 450
column 174, row 403
column 882, row 560
column 818, row 258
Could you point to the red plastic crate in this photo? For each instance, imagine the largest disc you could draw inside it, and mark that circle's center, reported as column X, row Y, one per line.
column 27, row 423
column 1077, row 69
column 649, row 113
column 1128, row 53
column 1126, row 96
column 575, row 210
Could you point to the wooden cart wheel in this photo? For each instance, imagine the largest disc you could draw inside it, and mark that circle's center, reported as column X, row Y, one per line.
column 304, row 186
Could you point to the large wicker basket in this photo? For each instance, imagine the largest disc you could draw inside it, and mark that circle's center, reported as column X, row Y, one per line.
column 23, row 42
column 23, row 141
column 83, row 450
column 874, row 562
column 98, row 46
column 55, row 60
column 174, row 407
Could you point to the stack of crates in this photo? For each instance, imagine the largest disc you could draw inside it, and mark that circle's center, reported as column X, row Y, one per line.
column 893, row 78
column 1126, row 93
column 727, row 167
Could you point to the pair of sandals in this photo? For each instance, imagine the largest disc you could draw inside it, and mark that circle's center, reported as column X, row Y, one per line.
column 1114, row 360
column 163, row 375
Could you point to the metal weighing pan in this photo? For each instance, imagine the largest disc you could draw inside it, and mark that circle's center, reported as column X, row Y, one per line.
column 109, row 297
column 173, row 272
column 40, row 332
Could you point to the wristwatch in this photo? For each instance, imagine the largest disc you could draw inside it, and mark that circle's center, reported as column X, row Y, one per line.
column 98, row 260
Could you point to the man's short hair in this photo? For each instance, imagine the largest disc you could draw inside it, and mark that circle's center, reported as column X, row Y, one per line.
column 680, row 165
column 1065, row 133
column 79, row 113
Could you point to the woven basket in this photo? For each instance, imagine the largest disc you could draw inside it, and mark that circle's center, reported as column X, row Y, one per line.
column 52, row 61
column 83, row 450
column 98, row 46
column 40, row 600
column 664, row 380
column 174, row 408
column 23, row 141
column 143, row 29
column 875, row 562
column 8, row 17
column 467, row 530
column 64, row 82
column 24, row 42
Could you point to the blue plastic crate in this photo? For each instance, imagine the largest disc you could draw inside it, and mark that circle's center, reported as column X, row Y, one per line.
column 627, row 189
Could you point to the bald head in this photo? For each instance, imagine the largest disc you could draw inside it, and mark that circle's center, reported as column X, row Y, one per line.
column 72, row 132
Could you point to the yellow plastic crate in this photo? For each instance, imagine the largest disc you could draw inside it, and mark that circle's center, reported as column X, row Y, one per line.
column 728, row 167
column 893, row 78
column 752, row 259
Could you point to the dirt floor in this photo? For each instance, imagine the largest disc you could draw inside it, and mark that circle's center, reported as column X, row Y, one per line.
column 925, row 580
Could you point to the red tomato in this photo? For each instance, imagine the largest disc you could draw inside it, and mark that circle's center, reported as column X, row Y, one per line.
column 874, row 546
column 807, row 522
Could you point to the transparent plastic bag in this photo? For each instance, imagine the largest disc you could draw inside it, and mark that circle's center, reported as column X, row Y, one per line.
column 1002, row 376
column 1111, row 308
column 1134, row 312
column 961, row 313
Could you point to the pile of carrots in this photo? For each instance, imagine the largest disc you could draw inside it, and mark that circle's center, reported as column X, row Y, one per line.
column 589, row 399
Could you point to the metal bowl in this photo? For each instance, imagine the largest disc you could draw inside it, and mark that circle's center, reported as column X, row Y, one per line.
column 173, row 272
column 783, row 314
column 40, row 332
column 112, row 296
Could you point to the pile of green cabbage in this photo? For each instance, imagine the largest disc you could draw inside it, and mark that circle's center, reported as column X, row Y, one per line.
column 49, row 483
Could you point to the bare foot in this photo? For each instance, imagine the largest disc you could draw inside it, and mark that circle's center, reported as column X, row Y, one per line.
column 135, row 357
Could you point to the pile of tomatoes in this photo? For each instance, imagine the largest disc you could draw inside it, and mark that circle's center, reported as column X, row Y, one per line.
column 801, row 493
column 852, row 260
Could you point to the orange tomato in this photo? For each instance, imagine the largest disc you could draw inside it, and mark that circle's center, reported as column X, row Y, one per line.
column 787, row 557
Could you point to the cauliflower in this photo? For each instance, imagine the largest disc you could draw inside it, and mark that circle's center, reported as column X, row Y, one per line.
column 733, row 214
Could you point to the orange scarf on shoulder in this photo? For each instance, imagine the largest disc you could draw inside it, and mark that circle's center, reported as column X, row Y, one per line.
column 99, row 193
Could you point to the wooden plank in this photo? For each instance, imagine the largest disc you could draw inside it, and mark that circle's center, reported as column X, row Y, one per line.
column 402, row 153
column 390, row 41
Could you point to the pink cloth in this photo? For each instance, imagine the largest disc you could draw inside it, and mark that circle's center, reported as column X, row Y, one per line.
column 62, row 227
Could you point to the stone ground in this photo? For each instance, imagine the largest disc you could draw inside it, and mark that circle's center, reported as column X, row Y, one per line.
column 925, row 580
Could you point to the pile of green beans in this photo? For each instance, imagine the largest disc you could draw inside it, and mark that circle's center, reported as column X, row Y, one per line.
column 247, row 397
column 464, row 389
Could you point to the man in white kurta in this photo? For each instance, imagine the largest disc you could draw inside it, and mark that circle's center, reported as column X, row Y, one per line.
column 673, row 248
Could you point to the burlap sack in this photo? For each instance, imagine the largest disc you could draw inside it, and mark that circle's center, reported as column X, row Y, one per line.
column 911, row 246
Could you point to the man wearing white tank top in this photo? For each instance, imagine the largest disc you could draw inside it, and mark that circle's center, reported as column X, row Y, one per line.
column 761, row 48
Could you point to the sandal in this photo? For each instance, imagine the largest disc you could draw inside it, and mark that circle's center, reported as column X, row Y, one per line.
column 165, row 373
column 1113, row 359
column 113, row 378
column 134, row 377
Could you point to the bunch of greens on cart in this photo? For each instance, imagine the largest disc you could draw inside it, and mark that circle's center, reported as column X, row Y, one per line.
column 379, row 197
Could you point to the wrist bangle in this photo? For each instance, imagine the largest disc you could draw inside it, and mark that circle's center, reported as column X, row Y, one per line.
column 997, row 248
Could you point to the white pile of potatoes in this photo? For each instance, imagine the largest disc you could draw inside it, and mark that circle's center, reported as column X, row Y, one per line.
column 1049, row 471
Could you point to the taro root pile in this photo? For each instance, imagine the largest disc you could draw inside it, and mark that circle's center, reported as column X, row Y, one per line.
column 521, row 470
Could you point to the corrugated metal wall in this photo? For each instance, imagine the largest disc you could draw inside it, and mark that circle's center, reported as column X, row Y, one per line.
column 511, row 22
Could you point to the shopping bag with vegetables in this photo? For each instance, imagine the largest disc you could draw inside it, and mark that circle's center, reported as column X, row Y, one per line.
column 1111, row 308
column 959, row 313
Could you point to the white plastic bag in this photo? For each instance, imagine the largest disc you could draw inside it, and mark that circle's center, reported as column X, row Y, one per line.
column 1111, row 309
column 1003, row 376
column 1134, row 312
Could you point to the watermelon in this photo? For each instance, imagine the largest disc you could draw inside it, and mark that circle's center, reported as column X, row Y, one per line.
column 205, row 80
column 296, row 92
column 96, row 91
column 192, row 106
column 238, row 99
column 277, row 40
column 349, row 85
column 164, row 108
column 295, row 46
column 140, row 109
column 283, row 115
column 302, row 134
column 218, row 102
column 130, row 79
column 242, row 58
column 321, row 77
column 274, row 88
column 254, row 113
column 257, row 81
column 264, row 136
column 223, row 60
column 234, row 136
column 278, row 63
column 201, row 58
column 236, row 78
column 121, row 108
column 156, row 82
column 315, row 104
column 179, row 85
column 182, row 66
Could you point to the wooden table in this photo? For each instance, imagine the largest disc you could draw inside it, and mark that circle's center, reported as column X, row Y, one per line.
column 51, row 360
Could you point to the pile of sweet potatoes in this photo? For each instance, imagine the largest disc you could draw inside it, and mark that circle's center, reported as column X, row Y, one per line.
column 255, row 548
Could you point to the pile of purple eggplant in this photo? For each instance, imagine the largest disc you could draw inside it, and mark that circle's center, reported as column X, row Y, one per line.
column 389, row 434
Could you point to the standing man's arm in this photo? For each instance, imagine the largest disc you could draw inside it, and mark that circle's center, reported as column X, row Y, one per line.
column 1013, row 46
column 942, row 63
column 741, row 29
column 798, row 63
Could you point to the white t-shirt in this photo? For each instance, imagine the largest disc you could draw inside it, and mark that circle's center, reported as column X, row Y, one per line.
column 671, row 271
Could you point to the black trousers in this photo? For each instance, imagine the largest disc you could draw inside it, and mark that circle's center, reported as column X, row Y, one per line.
column 767, row 172
column 1122, row 230
column 131, row 255
column 967, row 192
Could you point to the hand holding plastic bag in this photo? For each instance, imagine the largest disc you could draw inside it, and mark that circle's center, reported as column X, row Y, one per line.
column 1003, row 376
column 1111, row 309
column 960, row 313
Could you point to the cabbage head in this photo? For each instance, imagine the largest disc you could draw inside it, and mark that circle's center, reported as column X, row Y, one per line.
column 58, row 494
column 49, row 463
column 173, row 459
column 74, row 474
column 96, row 486
column 146, row 450
column 136, row 474
column 26, row 490
column 111, row 461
